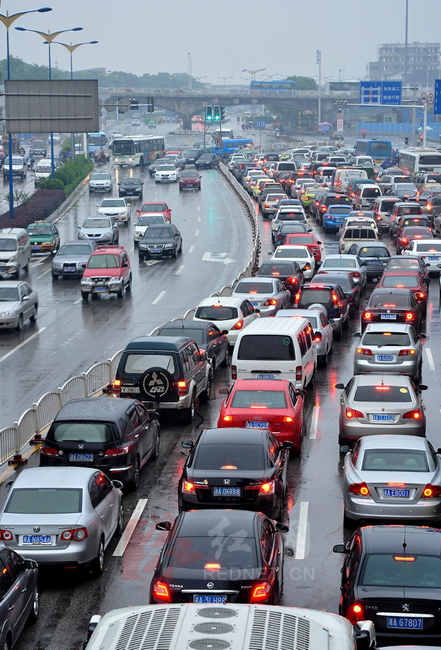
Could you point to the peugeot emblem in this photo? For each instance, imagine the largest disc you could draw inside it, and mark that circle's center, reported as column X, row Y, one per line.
column 80, row 446
column 36, row 529
column 226, row 481
column 210, row 585
column 405, row 607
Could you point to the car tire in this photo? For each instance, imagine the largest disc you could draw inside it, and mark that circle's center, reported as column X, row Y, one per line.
column 20, row 323
column 98, row 563
column 35, row 611
column 85, row 295
column 174, row 254
column 120, row 293
column 189, row 413
column 180, row 188
column 55, row 276
column 226, row 362
column 120, row 523
column 157, row 447
column 33, row 318
column 129, row 284
column 180, row 248
column 206, row 394
column 134, row 483
column 7, row 645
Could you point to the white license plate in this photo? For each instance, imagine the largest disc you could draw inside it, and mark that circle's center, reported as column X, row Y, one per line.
column 266, row 376
column 388, row 317
column 82, row 458
column 130, row 389
column 257, row 425
column 226, row 492
column 37, row 540
column 382, row 418
column 396, row 492
column 210, row 600
column 385, row 357
column 404, row 622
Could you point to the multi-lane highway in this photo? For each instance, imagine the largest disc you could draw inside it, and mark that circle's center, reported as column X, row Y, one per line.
column 70, row 336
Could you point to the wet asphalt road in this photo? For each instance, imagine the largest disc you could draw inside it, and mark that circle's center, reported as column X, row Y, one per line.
column 314, row 507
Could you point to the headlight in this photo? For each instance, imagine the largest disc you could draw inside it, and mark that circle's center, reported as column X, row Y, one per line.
column 169, row 246
column 82, row 235
column 86, row 281
column 57, row 265
column 9, row 313
column 142, row 245
column 115, row 280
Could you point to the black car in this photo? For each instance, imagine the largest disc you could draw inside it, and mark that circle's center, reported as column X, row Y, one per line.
column 207, row 161
column 192, row 155
column 208, row 337
column 392, row 306
column 330, row 296
column 287, row 180
column 220, row 556
column 391, row 575
column 160, row 240
column 19, row 596
column 329, row 199
column 350, row 288
column 116, row 436
column 409, row 263
column 130, row 186
column 235, row 468
column 374, row 255
column 287, row 271
column 287, row 228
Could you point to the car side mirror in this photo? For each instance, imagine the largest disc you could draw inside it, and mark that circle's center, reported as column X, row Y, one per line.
column 356, row 334
column 269, row 253
column 97, row 205
column 287, row 444
column 118, row 485
column 338, row 548
column 163, row 525
column 153, row 415
column 422, row 336
column 317, row 337
column 340, row 386
column 257, row 311
column 31, row 564
column 139, row 211
column 187, row 444
column 9, row 484
column 422, row 387
column 125, row 265
column 282, row 528
column 319, row 242
column 224, row 391
column 25, row 299
column 224, row 331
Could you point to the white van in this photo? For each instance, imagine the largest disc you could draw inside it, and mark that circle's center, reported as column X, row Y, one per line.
column 276, row 348
column 15, row 251
column 343, row 176
column 19, row 167
column 382, row 208
column 352, row 234
column 43, row 170
column 365, row 195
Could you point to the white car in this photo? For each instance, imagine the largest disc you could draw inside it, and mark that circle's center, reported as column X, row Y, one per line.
column 117, row 208
column 230, row 314
column 295, row 214
column 429, row 250
column 300, row 254
column 144, row 221
column 166, row 174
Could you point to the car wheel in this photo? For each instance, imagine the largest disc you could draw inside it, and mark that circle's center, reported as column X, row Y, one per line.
column 120, row 293
column 7, row 645
column 120, row 523
column 129, row 284
column 189, row 413
column 206, row 394
column 33, row 317
column 174, row 254
column 20, row 323
column 35, row 611
column 98, row 564
column 85, row 296
column 133, row 485
column 155, row 454
column 55, row 276
column 180, row 248
column 180, row 188
column 226, row 362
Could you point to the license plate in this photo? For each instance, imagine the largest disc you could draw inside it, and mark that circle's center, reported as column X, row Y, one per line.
column 404, row 622
column 189, row 184
column 257, row 425
column 266, row 376
column 255, row 304
column 226, row 492
column 100, row 288
column 154, row 250
column 2, row 270
column 382, row 418
column 69, row 269
column 372, row 262
column 388, row 317
column 395, row 492
column 385, row 357
column 210, row 600
column 81, row 457
column 37, row 248
column 130, row 389
column 38, row 540
column 434, row 258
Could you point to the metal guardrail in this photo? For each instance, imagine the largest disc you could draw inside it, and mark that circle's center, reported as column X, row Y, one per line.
column 33, row 421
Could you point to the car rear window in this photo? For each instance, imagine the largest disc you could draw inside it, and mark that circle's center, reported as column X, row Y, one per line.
column 395, row 460
column 95, row 432
column 248, row 286
column 44, row 501
column 359, row 233
column 416, row 221
column 291, row 216
column 149, row 220
column 300, row 239
column 216, row 313
column 382, row 393
column 266, row 347
column 338, row 263
column 416, row 232
column 196, row 334
column 276, row 269
column 429, row 248
column 403, row 263
column 412, row 209
column 137, row 363
column 153, row 207
column 275, row 399
column 392, row 301
column 311, row 296
column 226, row 552
column 331, row 200
column 339, row 210
column 386, row 339
column 294, row 253
column 373, row 251
column 424, row 571
column 404, row 282
column 229, row 457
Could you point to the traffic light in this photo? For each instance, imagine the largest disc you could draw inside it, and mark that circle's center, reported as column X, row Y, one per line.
column 222, row 109
column 134, row 104
column 217, row 113
column 150, row 105
column 209, row 113
column 406, row 140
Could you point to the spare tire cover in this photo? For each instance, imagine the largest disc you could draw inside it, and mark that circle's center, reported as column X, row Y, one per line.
column 156, row 383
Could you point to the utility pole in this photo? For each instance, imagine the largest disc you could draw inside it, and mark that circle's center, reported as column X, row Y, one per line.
column 319, row 61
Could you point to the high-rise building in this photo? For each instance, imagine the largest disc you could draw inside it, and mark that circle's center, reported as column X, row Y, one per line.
column 423, row 63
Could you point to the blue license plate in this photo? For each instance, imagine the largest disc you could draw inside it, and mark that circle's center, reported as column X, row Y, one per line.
column 372, row 262
column 388, row 317
column 257, row 425
column 99, row 289
column 37, row 248
column 434, row 258
column 154, row 250
column 396, row 492
column 382, row 418
column 210, row 600
column 385, row 357
column 37, row 539
column 69, row 269
column 404, row 622
column 266, row 376
column 226, row 492
column 88, row 458
column 255, row 304
column 189, row 184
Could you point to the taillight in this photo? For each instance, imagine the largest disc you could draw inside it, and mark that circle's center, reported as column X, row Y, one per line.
column 227, row 418
column 355, row 613
column 287, row 419
column 353, row 413
column 378, row 218
column 118, row 451
column 299, row 373
column 412, row 415
column 267, row 488
column 428, row 207
column 317, row 337
column 404, row 240
column 161, row 592
column 233, row 372
column 6, row 535
column 238, row 325
column 410, row 316
column 182, row 387
column 48, row 451
column 267, row 205
column 365, row 351
column 269, row 302
column 307, row 267
column 359, row 488
column 406, row 353
column 116, row 385
column 354, row 274
column 188, row 488
column 431, row 491
column 260, row 592
column 367, row 315
column 419, row 295
column 292, row 280
column 74, row 535
column 323, row 208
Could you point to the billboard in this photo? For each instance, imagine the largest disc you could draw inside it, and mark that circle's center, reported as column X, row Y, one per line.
column 52, row 106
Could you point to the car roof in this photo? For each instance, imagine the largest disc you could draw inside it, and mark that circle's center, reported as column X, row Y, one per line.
column 12, row 284
column 301, row 313
column 337, row 256
column 170, row 343
column 384, row 291
column 392, row 327
column 323, row 285
column 201, row 523
column 393, row 442
column 258, row 279
column 379, row 378
column 371, row 244
column 426, row 241
column 154, row 202
column 223, row 301
column 188, row 324
column 90, row 408
column 55, row 477
column 390, row 539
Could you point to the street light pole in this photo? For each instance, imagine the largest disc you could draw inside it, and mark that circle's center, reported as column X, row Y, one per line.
column 189, row 71
column 319, row 61
column 406, row 34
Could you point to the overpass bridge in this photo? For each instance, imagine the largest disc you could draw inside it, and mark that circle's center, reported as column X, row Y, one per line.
column 186, row 102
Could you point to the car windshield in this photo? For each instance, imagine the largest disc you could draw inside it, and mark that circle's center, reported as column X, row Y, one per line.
column 389, row 301
column 130, row 181
column 137, row 363
column 158, row 233
column 166, row 168
column 248, row 286
column 341, row 279
column 418, row 572
column 395, row 460
column 40, row 230
column 429, row 248
column 275, row 399
column 97, row 223
column 386, row 339
column 113, row 203
column 9, row 294
column 153, row 207
column 373, row 251
column 382, row 393
column 8, row 245
column 216, row 312
column 189, row 174
column 229, row 457
column 196, row 334
column 75, row 249
column 266, row 347
column 294, row 253
column 148, row 221
column 100, row 177
column 227, row 551
column 403, row 282
column 101, row 261
column 44, row 501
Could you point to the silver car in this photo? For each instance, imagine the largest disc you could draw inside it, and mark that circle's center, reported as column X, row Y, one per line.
column 266, row 294
column 64, row 516
column 71, row 259
column 103, row 230
column 397, row 349
column 323, row 330
column 18, row 302
column 394, row 478
column 100, row 182
column 271, row 203
column 378, row 404
column 350, row 263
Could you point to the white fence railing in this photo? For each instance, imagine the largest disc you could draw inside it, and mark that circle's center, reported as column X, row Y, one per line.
column 34, row 420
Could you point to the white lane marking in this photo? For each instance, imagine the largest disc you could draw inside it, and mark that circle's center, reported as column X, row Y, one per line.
column 301, row 531
column 158, row 298
column 78, row 301
column 152, row 262
column 179, row 271
column 191, row 249
column 44, row 273
column 429, row 356
column 130, row 528
column 20, row 345
column 314, row 422
column 199, row 208
column 36, row 263
column 196, row 233
column 199, row 219
column 131, row 250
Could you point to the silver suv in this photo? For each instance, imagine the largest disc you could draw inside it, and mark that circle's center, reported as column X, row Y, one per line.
column 100, row 182
column 100, row 229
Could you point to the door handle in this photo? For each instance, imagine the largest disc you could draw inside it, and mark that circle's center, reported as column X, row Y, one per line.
column 10, row 608
column 101, row 516
column 24, row 590
column 111, row 505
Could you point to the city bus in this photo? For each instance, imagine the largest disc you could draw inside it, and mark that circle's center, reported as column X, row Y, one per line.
column 137, row 150
column 413, row 160
column 95, row 141
column 274, row 85
column 378, row 150
column 231, row 146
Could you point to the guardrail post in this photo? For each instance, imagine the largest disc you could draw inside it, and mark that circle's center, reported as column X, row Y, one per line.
column 86, row 391
column 17, row 458
column 37, row 437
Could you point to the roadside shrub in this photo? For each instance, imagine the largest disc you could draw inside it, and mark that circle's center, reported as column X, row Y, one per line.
column 62, row 176
column 40, row 205
column 53, row 184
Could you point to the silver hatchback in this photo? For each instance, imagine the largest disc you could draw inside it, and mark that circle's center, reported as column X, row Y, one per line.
column 18, row 302
column 266, row 294
column 103, row 230
column 392, row 478
column 63, row 516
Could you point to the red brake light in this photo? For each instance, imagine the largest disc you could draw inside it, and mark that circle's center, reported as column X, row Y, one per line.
column 365, row 351
column 354, row 274
column 270, row 301
column 6, row 535
column 267, row 488
column 182, row 387
column 227, row 418
column 116, row 386
column 317, row 337
column 431, row 491
column 188, row 488
column 238, row 325
column 292, row 280
column 410, row 316
column 48, row 451
column 367, row 315
column 288, row 418
column 233, row 372
column 299, row 373
column 352, row 413
column 359, row 488
column 355, row 613
column 406, row 353
column 74, row 535
column 161, row 592
column 260, row 592
column 412, row 415
column 118, row 451
column 420, row 295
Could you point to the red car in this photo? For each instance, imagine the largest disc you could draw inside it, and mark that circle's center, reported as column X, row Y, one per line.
column 156, row 207
column 410, row 233
column 309, row 240
column 189, row 179
column 405, row 280
column 272, row 404
column 107, row 271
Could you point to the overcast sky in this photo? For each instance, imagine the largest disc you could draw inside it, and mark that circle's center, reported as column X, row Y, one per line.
column 223, row 37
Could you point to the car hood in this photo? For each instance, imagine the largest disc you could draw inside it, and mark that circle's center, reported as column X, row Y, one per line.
column 98, row 231
column 6, row 255
column 65, row 259
column 9, row 306
column 109, row 210
column 130, row 187
column 159, row 241
column 101, row 273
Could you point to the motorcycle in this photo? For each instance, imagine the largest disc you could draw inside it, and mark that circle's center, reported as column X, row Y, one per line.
column 30, row 160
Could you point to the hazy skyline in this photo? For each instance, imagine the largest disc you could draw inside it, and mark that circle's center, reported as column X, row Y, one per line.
column 223, row 38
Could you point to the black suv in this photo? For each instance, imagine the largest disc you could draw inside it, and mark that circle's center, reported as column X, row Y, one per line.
column 330, row 296
column 166, row 373
column 160, row 240
column 115, row 436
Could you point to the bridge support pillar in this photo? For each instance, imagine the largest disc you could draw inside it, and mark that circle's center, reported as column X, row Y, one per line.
column 186, row 122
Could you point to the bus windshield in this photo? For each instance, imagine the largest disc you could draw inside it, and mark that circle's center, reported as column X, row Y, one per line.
column 123, row 147
column 97, row 139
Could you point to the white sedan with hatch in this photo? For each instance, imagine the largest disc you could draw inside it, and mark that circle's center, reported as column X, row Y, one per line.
column 166, row 174
column 230, row 314
column 300, row 254
column 429, row 250
column 119, row 209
